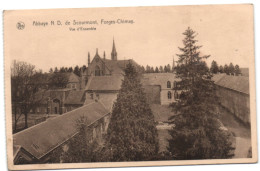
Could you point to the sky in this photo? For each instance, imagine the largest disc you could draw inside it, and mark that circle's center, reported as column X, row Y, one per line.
column 224, row 31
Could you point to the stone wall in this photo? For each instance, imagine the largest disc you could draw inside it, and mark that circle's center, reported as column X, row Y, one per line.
column 235, row 102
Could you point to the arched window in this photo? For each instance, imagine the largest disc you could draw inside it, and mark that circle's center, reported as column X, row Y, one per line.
column 168, row 84
column 169, row 95
column 97, row 71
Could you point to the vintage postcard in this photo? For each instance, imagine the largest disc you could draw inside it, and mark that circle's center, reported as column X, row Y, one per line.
column 130, row 86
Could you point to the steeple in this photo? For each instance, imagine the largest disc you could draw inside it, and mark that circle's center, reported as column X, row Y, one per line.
column 114, row 53
column 88, row 59
column 97, row 51
column 104, row 56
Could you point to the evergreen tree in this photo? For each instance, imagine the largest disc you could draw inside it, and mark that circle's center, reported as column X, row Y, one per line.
column 165, row 69
column 214, row 67
column 132, row 134
column 70, row 69
column 221, row 69
column 62, row 69
column 161, row 69
column 156, row 70
column 226, row 69
column 237, row 70
column 231, row 69
column 152, row 70
column 148, row 69
column 197, row 133
column 76, row 70
column 56, row 70
column 51, row 70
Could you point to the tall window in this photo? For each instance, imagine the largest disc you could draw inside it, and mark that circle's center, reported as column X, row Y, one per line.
column 169, row 95
column 168, row 84
column 97, row 71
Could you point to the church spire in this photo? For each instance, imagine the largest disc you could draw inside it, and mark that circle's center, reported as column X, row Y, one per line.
column 88, row 59
column 114, row 53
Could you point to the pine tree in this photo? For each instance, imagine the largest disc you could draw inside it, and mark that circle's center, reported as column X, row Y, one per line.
column 214, row 67
column 231, row 69
column 197, row 133
column 132, row 134
column 237, row 70
column 221, row 69
column 226, row 69
column 51, row 70
column 76, row 70
column 156, row 70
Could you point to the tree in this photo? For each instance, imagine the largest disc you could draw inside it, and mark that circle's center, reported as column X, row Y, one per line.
column 132, row 134
column 152, row 70
column 62, row 70
column 221, row 69
column 237, row 70
column 214, row 67
column 161, row 69
column 226, row 69
column 231, row 69
column 58, row 80
column 56, row 70
column 196, row 133
column 70, row 69
column 165, row 69
column 156, row 70
column 25, row 84
column 76, row 70
column 148, row 69
column 51, row 70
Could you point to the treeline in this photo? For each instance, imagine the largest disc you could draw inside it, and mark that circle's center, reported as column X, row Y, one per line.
column 160, row 69
column 76, row 70
column 228, row 69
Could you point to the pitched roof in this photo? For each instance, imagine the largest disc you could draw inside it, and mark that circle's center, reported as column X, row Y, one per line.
column 118, row 66
column 41, row 139
column 244, row 72
column 158, row 79
column 237, row 83
column 105, row 83
column 75, row 97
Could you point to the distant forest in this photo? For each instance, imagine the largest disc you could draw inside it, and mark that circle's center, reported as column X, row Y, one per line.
column 214, row 68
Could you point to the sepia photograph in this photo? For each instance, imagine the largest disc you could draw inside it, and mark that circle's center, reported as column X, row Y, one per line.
column 130, row 86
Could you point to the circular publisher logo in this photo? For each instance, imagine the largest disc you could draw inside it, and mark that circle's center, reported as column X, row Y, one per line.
column 20, row 25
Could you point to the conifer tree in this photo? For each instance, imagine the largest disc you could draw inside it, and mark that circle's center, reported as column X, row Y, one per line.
column 214, row 67
column 132, row 134
column 197, row 133
column 237, row 70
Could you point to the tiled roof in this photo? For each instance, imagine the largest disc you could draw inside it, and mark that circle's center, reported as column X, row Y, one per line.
column 237, row 83
column 75, row 97
column 101, row 83
column 41, row 139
